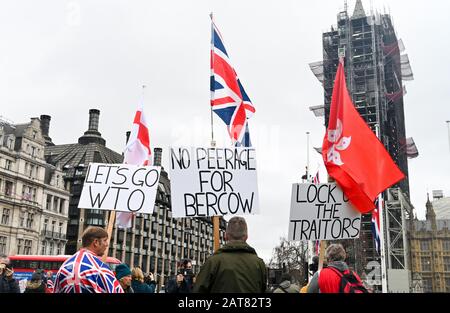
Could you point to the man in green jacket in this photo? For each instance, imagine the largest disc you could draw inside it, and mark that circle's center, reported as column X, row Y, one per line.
column 234, row 268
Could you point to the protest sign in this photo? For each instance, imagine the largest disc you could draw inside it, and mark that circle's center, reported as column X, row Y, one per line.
column 213, row 181
column 120, row 187
column 322, row 212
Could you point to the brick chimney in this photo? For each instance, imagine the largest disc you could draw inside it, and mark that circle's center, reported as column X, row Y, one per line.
column 92, row 135
column 45, row 128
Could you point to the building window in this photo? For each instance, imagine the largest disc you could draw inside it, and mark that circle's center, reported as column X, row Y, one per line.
column 44, row 247
column 427, row 285
column 19, row 246
column 425, row 245
column 10, row 143
column 60, row 227
column 53, row 226
column 45, row 224
column 30, row 220
column 447, row 284
column 55, row 204
column 61, row 206
column 49, row 202
column 3, row 244
column 26, row 193
column 51, row 249
column 22, row 219
column 446, row 245
column 8, row 164
column 426, row 264
column 5, row 216
column 8, row 188
column 58, row 249
column 447, row 263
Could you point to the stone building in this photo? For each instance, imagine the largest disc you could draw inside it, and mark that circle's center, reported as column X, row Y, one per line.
column 430, row 247
column 33, row 196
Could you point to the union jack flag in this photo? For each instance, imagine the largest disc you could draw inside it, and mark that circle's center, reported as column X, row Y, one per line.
column 50, row 285
column 228, row 97
column 84, row 272
column 316, row 180
column 376, row 225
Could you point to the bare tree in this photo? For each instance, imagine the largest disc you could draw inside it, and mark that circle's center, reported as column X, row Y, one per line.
column 291, row 256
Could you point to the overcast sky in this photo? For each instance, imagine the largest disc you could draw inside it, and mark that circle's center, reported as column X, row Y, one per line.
column 63, row 58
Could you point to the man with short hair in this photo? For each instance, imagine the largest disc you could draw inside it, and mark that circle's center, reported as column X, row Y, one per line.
column 182, row 283
column 7, row 282
column 84, row 272
column 234, row 268
column 336, row 277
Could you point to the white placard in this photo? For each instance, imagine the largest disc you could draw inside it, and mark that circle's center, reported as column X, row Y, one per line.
column 120, row 187
column 213, row 181
column 322, row 212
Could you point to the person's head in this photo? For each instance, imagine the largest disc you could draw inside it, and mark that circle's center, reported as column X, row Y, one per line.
column 95, row 239
column 136, row 274
column 314, row 266
column 335, row 252
column 186, row 264
column 236, row 229
column 4, row 262
column 123, row 275
column 36, row 277
column 286, row 277
column 49, row 274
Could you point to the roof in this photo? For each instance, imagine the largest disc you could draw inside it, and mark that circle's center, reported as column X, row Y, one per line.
column 426, row 225
column 71, row 155
column 359, row 10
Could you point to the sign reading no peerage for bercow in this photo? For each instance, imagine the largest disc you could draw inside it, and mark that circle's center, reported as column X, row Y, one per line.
column 213, row 181
column 120, row 187
column 322, row 212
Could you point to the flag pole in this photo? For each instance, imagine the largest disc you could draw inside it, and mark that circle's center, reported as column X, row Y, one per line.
column 112, row 215
column 382, row 241
column 216, row 220
column 310, row 242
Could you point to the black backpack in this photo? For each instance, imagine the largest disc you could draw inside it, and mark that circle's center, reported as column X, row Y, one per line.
column 349, row 282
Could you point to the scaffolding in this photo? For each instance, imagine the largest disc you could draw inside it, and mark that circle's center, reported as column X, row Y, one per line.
column 376, row 67
column 398, row 215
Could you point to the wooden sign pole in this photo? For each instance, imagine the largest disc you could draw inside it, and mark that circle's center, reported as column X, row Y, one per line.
column 216, row 222
column 323, row 245
column 109, row 229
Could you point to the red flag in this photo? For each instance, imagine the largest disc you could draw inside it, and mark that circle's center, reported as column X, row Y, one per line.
column 352, row 153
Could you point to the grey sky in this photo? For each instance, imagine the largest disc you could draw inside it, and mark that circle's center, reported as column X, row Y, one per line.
column 64, row 57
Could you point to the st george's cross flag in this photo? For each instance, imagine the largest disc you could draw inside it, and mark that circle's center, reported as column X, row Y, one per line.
column 137, row 152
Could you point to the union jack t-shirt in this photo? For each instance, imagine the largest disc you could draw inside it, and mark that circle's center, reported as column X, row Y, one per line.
column 84, row 272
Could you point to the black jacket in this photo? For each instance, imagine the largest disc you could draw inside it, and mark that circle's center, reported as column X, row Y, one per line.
column 8, row 286
column 184, row 287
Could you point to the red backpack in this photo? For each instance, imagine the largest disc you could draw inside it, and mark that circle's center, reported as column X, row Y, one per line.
column 349, row 282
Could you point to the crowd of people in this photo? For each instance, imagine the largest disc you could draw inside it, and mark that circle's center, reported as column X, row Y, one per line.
column 234, row 268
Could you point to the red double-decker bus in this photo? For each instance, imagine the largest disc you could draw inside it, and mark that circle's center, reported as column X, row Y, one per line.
column 25, row 265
